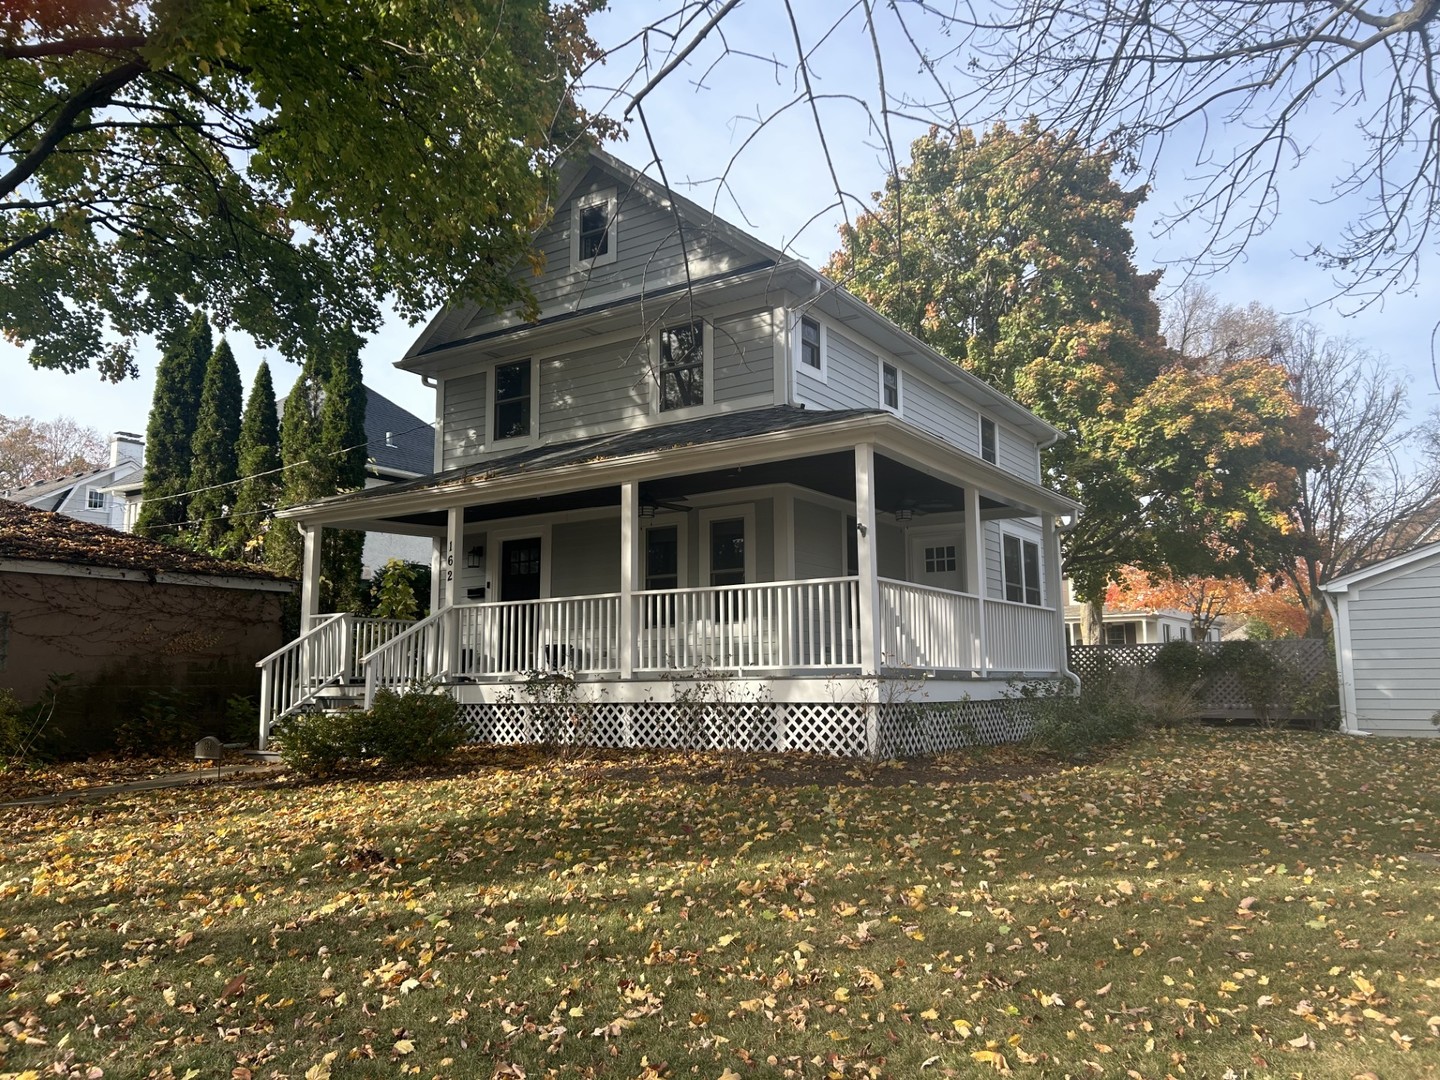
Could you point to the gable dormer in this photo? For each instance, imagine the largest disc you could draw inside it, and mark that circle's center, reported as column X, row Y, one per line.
column 615, row 235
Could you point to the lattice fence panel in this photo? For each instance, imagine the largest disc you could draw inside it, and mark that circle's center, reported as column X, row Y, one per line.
column 832, row 729
column 915, row 729
column 1225, row 694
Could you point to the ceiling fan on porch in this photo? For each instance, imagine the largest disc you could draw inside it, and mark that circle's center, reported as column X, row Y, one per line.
column 649, row 504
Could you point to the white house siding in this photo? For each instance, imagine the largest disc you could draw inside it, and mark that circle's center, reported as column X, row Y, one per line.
column 585, row 557
column 852, row 377
column 1395, row 649
column 819, row 551
column 1016, row 454
column 928, row 407
column 594, row 390
column 463, row 427
column 744, row 357
column 648, row 256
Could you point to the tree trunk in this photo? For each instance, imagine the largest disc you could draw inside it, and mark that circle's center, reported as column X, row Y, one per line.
column 1092, row 626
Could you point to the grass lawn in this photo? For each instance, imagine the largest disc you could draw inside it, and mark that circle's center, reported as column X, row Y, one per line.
column 1199, row 905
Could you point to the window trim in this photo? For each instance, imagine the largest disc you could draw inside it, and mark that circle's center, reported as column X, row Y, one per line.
column 709, row 514
column 610, row 199
column 93, row 494
column 821, row 373
column 707, row 370
column 492, row 436
column 899, row 407
column 993, row 457
column 1039, row 583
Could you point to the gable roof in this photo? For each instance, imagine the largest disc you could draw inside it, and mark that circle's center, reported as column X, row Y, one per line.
column 31, row 535
column 1395, row 563
column 51, row 494
column 397, row 441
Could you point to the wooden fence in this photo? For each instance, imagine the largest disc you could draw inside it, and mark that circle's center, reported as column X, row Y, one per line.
column 1306, row 661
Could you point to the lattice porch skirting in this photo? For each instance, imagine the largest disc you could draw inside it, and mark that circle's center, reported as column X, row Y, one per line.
column 836, row 729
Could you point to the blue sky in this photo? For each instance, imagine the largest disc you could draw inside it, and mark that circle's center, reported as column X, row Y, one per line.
column 779, row 188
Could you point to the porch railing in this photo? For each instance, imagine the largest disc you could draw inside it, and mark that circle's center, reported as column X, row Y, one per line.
column 1021, row 637
column 295, row 674
column 924, row 627
column 579, row 634
column 777, row 625
column 413, row 655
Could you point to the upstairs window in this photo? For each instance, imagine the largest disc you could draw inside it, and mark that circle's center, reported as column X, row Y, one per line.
column 592, row 230
column 94, row 500
column 682, row 366
column 512, row 400
column 810, row 347
column 987, row 439
column 890, row 386
column 1022, row 570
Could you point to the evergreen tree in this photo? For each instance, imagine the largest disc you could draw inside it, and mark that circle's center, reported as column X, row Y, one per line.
column 299, row 455
column 342, row 437
column 174, row 412
column 259, row 459
column 322, row 446
column 213, row 462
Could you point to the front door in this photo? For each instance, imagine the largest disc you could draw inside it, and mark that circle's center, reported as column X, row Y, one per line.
column 520, row 569
column 937, row 560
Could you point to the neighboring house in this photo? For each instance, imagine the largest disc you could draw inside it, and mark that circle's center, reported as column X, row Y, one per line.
column 1387, row 644
column 90, row 496
column 1140, row 627
column 739, row 505
column 126, row 620
column 399, row 446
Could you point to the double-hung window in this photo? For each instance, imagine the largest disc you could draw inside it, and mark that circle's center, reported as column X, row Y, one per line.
column 513, row 394
column 987, row 439
column 890, row 386
column 592, row 230
column 1022, row 570
column 94, row 499
column 682, row 366
column 810, row 346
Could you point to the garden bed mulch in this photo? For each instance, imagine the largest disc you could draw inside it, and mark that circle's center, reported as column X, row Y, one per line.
column 55, row 778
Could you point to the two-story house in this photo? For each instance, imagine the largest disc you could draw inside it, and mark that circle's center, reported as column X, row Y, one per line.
column 704, row 466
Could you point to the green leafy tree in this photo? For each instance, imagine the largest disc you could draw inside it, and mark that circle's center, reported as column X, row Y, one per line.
column 395, row 591
column 286, row 166
column 1011, row 254
column 174, row 414
column 258, row 452
column 322, row 448
column 213, row 453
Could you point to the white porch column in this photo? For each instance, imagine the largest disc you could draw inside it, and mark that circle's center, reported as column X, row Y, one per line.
column 454, row 545
column 630, row 536
column 870, row 632
column 309, row 575
column 1053, row 590
column 437, row 573
column 975, row 571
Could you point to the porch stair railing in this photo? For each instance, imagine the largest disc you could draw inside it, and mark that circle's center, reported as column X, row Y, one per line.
column 413, row 655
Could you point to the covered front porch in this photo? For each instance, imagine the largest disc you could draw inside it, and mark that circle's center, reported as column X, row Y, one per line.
column 814, row 576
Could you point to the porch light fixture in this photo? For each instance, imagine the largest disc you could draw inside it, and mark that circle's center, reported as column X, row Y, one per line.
column 904, row 514
column 647, row 511
column 474, row 557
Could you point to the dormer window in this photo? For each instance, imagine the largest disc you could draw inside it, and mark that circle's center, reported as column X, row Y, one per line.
column 682, row 366
column 987, row 439
column 592, row 230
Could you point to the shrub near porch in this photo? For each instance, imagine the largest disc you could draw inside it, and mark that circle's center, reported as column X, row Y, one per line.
column 1263, row 904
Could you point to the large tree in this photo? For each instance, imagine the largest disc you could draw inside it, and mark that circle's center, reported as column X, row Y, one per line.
column 1011, row 254
column 174, row 412
column 285, row 166
column 34, row 450
column 258, row 453
column 1374, row 487
column 214, row 465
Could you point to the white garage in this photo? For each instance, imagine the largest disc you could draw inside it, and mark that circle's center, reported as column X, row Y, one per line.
column 1387, row 644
